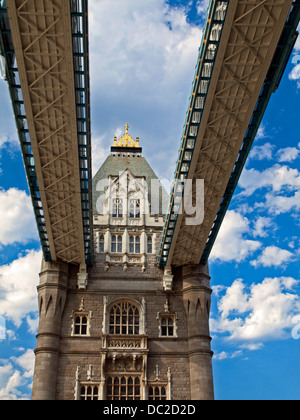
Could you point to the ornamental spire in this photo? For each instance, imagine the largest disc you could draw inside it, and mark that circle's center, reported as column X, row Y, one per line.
column 126, row 140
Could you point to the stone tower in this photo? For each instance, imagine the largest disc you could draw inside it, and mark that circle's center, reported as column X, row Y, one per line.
column 128, row 330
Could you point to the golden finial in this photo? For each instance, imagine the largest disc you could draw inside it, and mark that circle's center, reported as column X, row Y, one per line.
column 126, row 140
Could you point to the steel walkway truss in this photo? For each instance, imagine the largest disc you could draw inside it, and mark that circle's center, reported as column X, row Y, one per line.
column 44, row 48
column 244, row 50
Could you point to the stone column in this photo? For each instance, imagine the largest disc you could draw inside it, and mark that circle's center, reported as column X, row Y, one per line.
column 197, row 300
column 52, row 292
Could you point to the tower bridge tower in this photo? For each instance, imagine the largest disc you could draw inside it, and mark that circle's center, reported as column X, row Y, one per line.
column 126, row 330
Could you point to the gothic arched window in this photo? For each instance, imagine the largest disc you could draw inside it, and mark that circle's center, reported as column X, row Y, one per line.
column 134, row 244
column 101, row 243
column 149, row 245
column 123, row 388
column 117, row 208
column 116, row 244
column 124, row 319
column 157, row 392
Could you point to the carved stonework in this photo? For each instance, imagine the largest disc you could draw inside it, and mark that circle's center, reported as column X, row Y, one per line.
column 128, row 343
column 119, row 363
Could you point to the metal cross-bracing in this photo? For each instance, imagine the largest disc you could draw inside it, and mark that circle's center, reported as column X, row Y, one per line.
column 45, row 48
column 245, row 48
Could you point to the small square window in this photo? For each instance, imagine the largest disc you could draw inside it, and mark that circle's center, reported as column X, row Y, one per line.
column 80, row 326
column 167, row 325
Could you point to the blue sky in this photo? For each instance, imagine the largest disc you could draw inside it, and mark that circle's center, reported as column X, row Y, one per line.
column 143, row 56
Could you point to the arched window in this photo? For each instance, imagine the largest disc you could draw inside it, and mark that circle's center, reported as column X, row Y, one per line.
column 124, row 319
column 101, row 243
column 116, row 244
column 157, row 393
column 149, row 245
column 134, row 209
column 123, row 388
column 134, row 244
column 89, row 392
column 117, row 207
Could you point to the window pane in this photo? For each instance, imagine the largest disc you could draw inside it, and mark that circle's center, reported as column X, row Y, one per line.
column 137, row 210
column 131, row 210
column 120, row 211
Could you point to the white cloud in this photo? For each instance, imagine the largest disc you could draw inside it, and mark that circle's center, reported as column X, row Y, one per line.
column 261, row 225
column 278, row 204
column 276, row 178
column 225, row 355
column 288, row 154
column 262, row 152
column 26, row 362
column 273, row 256
column 99, row 153
column 297, row 45
column 202, row 6
column 18, row 282
column 142, row 57
column 33, row 324
column 252, row 346
column 231, row 244
column 15, row 373
column 139, row 46
column 295, row 74
column 235, row 298
column 261, row 312
column 10, row 380
column 17, row 223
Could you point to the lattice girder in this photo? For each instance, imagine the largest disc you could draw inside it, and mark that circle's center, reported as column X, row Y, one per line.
column 42, row 38
column 249, row 39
